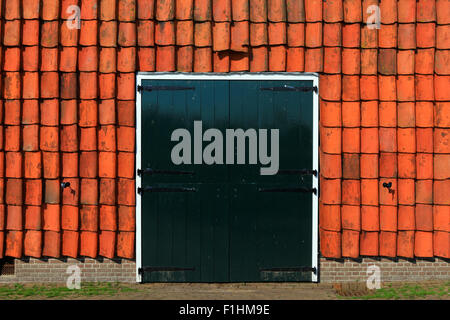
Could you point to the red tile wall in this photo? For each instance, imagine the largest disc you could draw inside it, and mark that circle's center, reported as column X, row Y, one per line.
column 68, row 105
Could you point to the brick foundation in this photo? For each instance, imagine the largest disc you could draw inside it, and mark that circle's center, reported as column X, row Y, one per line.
column 348, row 270
column 54, row 270
column 331, row 270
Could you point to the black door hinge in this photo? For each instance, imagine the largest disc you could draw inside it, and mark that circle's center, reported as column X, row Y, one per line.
column 141, row 88
column 141, row 191
column 298, row 171
column 162, row 269
column 151, row 171
column 294, row 269
column 291, row 88
column 299, row 189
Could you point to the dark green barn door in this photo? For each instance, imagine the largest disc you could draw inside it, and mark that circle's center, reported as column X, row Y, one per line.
column 226, row 223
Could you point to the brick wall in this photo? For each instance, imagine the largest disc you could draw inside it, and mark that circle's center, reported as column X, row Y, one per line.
column 54, row 270
column 348, row 270
column 331, row 270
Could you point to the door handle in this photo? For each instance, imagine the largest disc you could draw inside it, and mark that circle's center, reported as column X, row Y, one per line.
column 151, row 171
column 299, row 189
column 141, row 191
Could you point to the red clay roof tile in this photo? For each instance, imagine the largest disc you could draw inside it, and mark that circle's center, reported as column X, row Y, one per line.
column 295, row 60
column 89, row 9
column 350, row 88
column 388, row 11
column 442, row 114
column 14, row 219
column 88, row 164
column 405, row 61
column 441, row 222
column 88, row 244
column 13, row 244
column 107, row 244
column 351, row 114
column 333, row 165
column 424, row 217
column 107, row 86
column 240, row 10
column 107, row 164
column 369, row 194
column 405, row 244
column 424, row 191
column 30, row 80
column 32, row 243
column 314, row 60
column 330, row 246
column 145, row 33
column 388, row 218
column 330, row 119
column 424, row 166
column 276, row 10
column 442, row 12
column 441, row 245
column 88, row 33
column 126, row 192
column 423, row 244
column 108, row 218
column 369, row 244
column 313, row 10
column 388, row 244
column 369, row 140
column 369, row 166
column 351, row 35
column 406, row 165
column 406, row 11
column 30, row 9
column 353, row 196
column 50, row 164
column 203, row 59
column 295, row 10
column 126, row 218
column 332, row 34
column 221, row 36
column 406, row 192
column 221, row 10
column 69, row 164
column 50, row 217
column 70, row 243
column 107, row 10
column 33, row 219
column 50, row 10
column 351, row 217
column 32, row 164
column 107, row 191
column 350, row 243
column 331, row 189
column 30, row 138
column 125, row 165
column 146, row 59
column 406, row 218
column 202, row 34
column 351, row 140
column 330, row 217
column 125, row 244
column 69, row 138
column 350, row 165
column 259, row 10
column 202, row 10
column 126, row 10
column 426, row 10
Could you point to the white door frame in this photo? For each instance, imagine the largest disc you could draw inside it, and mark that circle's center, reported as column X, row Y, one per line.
column 231, row 76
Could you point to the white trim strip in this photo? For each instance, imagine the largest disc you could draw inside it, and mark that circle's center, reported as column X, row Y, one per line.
column 232, row 76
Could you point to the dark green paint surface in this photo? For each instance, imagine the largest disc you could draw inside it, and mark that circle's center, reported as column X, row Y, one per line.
column 226, row 231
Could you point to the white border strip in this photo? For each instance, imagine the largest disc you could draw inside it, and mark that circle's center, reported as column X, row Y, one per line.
column 138, row 181
column 231, row 76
